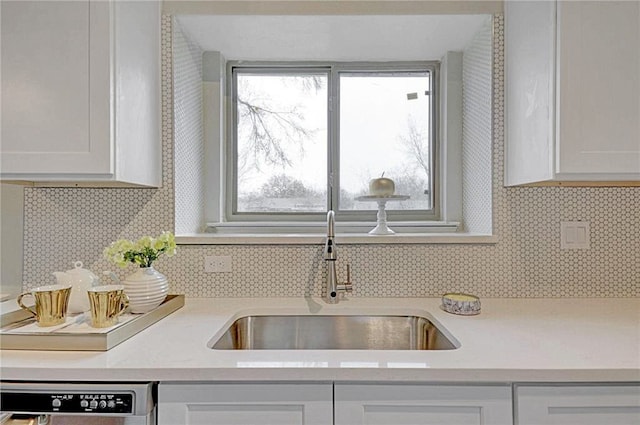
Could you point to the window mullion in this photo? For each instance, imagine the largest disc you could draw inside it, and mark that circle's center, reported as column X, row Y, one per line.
column 334, row 142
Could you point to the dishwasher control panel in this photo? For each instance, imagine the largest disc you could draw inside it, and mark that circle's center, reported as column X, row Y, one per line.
column 120, row 403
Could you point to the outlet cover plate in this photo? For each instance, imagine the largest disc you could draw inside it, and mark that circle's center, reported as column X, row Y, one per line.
column 217, row 264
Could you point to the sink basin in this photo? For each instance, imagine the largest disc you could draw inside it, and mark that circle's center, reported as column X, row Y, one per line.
column 306, row 332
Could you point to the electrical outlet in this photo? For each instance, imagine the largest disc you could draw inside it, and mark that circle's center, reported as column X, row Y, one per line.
column 217, row 264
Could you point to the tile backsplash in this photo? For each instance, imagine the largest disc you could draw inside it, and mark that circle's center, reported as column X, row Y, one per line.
column 68, row 224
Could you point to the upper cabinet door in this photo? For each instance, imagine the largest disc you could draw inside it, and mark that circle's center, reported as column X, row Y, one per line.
column 599, row 87
column 47, row 89
column 81, row 93
column 572, row 92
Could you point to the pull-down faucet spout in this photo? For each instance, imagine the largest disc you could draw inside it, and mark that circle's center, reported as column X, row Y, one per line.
column 329, row 245
column 330, row 256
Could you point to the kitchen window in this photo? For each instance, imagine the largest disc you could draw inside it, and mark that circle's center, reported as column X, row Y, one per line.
column 317, row 58
column 306, row 138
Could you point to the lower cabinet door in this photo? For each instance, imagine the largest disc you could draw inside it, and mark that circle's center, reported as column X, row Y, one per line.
column 245, row 404
column 398, row 404
column 579, row 405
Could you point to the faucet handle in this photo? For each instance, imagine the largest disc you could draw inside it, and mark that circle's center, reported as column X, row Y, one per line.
column 347, row 286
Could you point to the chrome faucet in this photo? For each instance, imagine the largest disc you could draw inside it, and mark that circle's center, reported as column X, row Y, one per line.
column 330, row 257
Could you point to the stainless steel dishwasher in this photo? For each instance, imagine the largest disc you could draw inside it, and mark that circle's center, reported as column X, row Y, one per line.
column 62, row 403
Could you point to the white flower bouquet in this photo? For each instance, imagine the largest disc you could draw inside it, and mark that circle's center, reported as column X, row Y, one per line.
column 143, row 252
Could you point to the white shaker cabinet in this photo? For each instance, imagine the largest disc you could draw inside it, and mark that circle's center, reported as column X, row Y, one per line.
column 81, row 93
column 583, row 405
column 572, row 92
column 245, row 404
column 401, row 404
column 332, row 404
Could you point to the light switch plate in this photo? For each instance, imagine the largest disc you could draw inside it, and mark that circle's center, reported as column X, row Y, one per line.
column 574, row 235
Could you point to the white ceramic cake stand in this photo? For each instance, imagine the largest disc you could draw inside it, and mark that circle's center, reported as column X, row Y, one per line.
column 382, row 228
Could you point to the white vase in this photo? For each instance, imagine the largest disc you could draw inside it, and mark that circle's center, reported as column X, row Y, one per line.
column 146, row 288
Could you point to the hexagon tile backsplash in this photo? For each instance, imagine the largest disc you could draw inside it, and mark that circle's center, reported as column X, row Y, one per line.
column 64, row 225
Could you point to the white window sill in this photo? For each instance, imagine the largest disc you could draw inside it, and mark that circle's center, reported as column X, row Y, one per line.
column 344, row 239
column 314, row 233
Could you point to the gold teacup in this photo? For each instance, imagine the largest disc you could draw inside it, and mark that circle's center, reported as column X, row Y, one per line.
column 107, row 302
column 51, row 304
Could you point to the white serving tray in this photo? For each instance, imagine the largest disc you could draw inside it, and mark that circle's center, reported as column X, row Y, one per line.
column 77, row 335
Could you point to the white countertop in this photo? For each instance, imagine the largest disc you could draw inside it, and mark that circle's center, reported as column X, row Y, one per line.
column 512, row 340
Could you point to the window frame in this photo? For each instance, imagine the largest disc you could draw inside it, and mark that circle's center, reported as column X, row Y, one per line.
column 333, row 71
column 433, row 67
column 230, row 201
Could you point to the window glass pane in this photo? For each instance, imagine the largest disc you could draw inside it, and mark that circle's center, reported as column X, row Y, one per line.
column 281, row 145
column 384, row 128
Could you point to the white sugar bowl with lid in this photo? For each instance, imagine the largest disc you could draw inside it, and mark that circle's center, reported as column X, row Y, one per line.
column 80, row 280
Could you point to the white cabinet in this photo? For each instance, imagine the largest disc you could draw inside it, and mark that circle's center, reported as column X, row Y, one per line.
column 245, row 404
column 572, row 91
column 389, row 404
column 81, row 92
column 397, row 404
column 315, row 404
column 583, row 405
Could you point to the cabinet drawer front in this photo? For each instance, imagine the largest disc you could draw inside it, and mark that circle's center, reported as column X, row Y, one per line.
column 424, row 404
column 585, row 405
column 245, row 404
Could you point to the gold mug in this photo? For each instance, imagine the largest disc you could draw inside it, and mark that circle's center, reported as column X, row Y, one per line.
column 51, row 304
column 106, row 303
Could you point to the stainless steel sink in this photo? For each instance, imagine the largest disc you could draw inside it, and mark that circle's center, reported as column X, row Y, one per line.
column 306, row 332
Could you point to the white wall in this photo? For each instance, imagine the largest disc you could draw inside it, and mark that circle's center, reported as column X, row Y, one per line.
column 64, row 225
column 11, row 243
column 188, row 133
column 320, row 7
column 477, row 132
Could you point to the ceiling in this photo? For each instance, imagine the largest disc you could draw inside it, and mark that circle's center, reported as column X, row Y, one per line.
column 332, row 38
